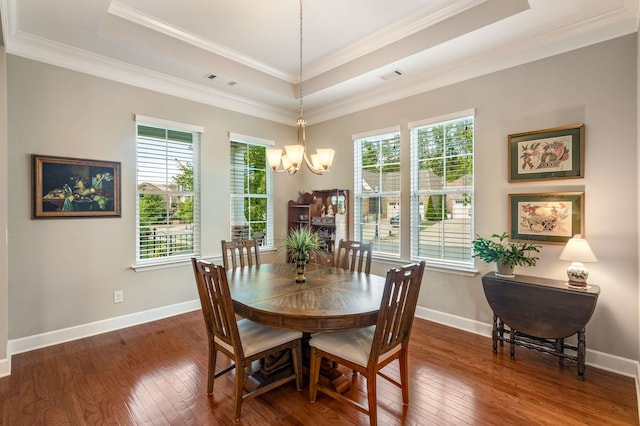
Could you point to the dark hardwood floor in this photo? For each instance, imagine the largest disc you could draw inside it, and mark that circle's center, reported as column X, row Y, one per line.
column 155, row 374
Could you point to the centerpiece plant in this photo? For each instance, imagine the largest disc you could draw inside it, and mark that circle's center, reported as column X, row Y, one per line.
column 300, row 244
column 507, row 255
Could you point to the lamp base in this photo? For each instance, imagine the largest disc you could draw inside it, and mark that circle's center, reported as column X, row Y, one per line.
column 577, row 274
column 577, row 285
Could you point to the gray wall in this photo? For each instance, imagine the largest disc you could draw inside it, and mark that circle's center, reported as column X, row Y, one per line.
column 62, row 272
column 595, row 86
column 638, row 195
column 4, row 327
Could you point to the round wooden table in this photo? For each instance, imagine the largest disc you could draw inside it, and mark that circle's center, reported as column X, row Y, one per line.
column 332, row 299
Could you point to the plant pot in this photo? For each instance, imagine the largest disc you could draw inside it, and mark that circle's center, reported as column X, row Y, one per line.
column 300, row 265
column 505, row 270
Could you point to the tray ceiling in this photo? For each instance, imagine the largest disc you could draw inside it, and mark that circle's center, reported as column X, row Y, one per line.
column 356, row 53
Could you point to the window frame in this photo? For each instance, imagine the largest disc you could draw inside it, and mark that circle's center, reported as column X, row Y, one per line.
column 462, row 265
column 268, row 238
column 360, row 195
column 142, row 263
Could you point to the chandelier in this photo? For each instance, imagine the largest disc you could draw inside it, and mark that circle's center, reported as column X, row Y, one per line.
column 295, row 155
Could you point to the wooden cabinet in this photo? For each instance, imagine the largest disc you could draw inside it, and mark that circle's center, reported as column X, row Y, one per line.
column 299, row 215
column 325, row 212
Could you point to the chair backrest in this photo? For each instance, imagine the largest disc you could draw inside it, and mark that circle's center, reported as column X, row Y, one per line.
column 241, row 253
column 397, row 309
column 217, row 306
column 353, row 255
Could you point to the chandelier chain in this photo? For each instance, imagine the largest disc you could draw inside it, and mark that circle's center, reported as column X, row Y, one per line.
column 300, row 80
column 296, row 155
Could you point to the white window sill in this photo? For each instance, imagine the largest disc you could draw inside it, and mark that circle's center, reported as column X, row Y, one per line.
column 184, row 261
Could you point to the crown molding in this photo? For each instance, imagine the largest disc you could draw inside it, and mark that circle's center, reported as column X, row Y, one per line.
column 9, row 20
column 64, row 56
column 606, row 27
column 139, row 18
column 399, row 30
column 386, row 36
column 614, row 24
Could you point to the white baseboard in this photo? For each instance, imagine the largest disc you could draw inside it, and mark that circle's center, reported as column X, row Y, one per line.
column 55, row 337
column 638, row 384
column 455, row 321
column 5, row 366
column 613, row 363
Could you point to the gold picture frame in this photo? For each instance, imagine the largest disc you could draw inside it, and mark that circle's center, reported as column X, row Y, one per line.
column 552, row 217
column 556, row 153
column 73, row 188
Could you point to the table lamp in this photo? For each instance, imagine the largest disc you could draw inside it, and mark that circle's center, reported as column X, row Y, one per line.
column 577, row 251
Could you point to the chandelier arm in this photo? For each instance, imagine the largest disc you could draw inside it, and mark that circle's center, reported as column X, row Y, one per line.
column 311, row 167
column 291, row 171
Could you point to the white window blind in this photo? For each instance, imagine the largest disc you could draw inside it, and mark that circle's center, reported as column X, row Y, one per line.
column 251, row 184
column 377, row 190
column 168, row 191
column 442, row 190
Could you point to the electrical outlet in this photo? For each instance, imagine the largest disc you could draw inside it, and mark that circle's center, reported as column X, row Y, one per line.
column 118, row 296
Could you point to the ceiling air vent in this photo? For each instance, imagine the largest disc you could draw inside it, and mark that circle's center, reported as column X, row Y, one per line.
column 391, row 75
column 220, row 79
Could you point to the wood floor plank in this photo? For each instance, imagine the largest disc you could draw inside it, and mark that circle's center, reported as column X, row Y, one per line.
column 155, row 374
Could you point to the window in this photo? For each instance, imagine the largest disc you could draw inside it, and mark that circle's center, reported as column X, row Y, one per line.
column 377, row 190
column 442, row 190
column 251, row 190
column 168, row 184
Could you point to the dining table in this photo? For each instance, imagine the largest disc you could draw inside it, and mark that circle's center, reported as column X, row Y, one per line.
column 332, row 299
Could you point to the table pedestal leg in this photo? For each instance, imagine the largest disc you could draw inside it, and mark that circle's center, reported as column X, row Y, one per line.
column 276, row 366
column 330, row 376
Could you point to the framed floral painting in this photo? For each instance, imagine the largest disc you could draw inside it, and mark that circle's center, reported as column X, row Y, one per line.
column 552, row 217
column 547, row 154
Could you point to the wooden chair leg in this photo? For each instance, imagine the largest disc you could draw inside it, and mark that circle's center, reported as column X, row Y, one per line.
column 296, row 352
column 212, row 368
column 239, row 391
column 404, row 375
column 372, row 399
column 314, row 374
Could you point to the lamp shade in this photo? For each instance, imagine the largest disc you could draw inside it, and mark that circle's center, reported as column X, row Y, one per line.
column 325, row 157
column 274, row 155
column 295, row 154
column 578, row 250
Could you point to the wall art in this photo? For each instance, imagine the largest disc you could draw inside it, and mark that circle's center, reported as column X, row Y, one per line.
column 552, row 217
column 547, row 154
column 71, row 187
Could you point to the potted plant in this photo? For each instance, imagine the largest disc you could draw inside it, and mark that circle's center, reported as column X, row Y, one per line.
column 300, row 243
column 507, row 255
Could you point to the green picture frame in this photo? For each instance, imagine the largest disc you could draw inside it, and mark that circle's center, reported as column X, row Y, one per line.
column 552, row 217
column 556, row 153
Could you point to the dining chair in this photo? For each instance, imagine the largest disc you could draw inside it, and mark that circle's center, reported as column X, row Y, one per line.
column 241, row 252
column 369, row 349
column 243, row 341
column 354, row 255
